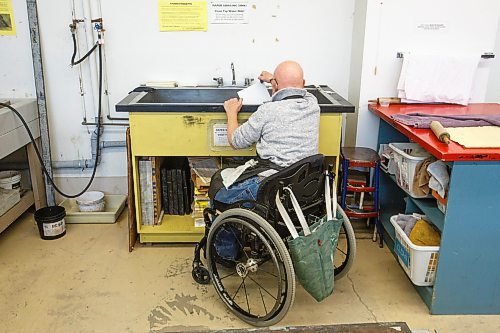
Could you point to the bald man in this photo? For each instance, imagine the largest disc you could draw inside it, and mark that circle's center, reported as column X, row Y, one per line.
column 286, row 129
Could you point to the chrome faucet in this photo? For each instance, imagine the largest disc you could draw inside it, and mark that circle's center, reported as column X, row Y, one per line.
column 220, row 81
column 234, row 78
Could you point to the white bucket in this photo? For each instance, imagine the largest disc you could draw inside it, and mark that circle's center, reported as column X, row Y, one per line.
column 10, row 180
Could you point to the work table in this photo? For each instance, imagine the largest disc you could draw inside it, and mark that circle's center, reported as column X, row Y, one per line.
column 425, row 137
column 467, row 279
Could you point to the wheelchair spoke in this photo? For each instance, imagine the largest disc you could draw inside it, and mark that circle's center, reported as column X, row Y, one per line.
column 222, row 278
column 263, row 303
column 341, row 251
column 260, row 287
column 261, row 270
column 246, row 295
column 242, row 282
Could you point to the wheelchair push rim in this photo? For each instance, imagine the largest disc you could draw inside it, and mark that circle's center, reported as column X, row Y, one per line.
column 345, row 252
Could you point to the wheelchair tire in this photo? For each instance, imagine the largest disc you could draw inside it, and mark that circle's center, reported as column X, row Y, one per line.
column 346, row 249
column 252, row 228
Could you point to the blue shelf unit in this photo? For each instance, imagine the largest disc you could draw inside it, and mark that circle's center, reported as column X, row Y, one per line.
column 468, row 272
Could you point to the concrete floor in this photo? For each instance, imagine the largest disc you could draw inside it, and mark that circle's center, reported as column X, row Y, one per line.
column 87, row 281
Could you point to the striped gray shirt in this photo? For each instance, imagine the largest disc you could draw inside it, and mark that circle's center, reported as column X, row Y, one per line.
column 285, row 130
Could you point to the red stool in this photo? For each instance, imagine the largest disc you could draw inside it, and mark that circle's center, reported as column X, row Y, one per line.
column 360, row 157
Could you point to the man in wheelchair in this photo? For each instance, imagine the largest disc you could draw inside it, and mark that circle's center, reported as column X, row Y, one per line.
column 247, row 260
column 285, row 130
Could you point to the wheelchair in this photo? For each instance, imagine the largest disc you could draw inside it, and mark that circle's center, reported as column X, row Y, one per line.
column 255, row 278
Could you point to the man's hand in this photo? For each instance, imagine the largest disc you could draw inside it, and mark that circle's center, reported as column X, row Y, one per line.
column 266, row 76
column 232, row 107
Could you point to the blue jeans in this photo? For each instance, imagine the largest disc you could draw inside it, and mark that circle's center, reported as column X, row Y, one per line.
column 245, row 190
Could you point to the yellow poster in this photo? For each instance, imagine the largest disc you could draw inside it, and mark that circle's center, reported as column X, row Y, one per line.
column 182, row 15
column 7, row 25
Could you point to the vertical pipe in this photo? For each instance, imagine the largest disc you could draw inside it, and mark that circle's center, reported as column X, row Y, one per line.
column 83, row 94
column 90, row 35
column 96, row 12
column 40, row 94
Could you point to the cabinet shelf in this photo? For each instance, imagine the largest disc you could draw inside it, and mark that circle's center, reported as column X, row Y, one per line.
column 429, row 208
column 27, row 200
column 426, row 205
column 173, row 229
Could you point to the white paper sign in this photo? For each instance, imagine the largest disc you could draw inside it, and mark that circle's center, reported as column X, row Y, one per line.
column 228, row 12
column 220, row 135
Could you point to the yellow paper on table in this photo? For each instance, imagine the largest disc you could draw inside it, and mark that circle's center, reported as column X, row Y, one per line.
column 476, row 137
column 182, row 15
column 7, row 24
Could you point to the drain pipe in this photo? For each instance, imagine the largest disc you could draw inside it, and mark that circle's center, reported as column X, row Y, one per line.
column 89, row 163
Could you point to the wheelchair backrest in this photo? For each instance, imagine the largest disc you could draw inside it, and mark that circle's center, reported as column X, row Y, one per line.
column 305, row 178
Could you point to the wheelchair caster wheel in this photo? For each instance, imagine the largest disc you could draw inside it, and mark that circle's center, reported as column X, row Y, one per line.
column 201, row 275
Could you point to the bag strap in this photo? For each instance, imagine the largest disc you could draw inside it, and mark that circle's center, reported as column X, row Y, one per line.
column 331, row 202
column 299, row 213
column 286, row 217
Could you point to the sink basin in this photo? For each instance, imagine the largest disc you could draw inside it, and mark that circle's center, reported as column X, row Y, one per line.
column 211, row 99
column 190, row 95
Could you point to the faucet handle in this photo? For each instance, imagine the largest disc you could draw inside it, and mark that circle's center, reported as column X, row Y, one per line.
column 219, row 80
column 248, row 81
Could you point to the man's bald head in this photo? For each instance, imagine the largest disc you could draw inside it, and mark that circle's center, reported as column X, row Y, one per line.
column 289, row 74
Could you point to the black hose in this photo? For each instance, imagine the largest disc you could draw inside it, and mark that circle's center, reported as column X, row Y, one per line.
column 98, row 129
column 73, row 62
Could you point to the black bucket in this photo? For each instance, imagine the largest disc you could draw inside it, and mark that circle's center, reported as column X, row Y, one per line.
column 50, row 222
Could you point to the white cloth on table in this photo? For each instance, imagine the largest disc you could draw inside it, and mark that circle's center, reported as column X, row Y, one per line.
column 435, row 78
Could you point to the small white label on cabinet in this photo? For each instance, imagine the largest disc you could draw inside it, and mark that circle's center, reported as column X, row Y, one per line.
column 220, row 135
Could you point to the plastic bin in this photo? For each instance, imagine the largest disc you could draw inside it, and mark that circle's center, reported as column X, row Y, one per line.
column 419, row 262
column 387, row 163
column 405, row 165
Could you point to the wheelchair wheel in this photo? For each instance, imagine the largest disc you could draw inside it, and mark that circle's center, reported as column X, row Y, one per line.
column 260, row 287
column 346, row 247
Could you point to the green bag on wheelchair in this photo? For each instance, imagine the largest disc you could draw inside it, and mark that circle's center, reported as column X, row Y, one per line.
column 312, row 250
column 312, row 257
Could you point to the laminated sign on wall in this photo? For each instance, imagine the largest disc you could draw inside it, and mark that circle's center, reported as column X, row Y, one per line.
column 228, row 12
column 7, row 25
column 182, row 15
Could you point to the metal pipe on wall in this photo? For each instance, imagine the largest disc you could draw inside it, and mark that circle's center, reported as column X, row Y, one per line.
column 87, row 100
column 92, row 62
column 88, row 163
column 36, row 52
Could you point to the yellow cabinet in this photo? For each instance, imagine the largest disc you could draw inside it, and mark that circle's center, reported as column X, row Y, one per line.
column 192, row 134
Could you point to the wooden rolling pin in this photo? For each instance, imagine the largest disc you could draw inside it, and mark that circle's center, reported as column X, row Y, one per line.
column 440, row 132
column 391, row 100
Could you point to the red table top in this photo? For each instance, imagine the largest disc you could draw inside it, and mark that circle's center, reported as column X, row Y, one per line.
column 427, row 139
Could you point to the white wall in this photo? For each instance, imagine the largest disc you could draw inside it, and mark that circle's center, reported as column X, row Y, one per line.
column 16, row 66
column 493, row 92
column 317, row 34
column 391, row 26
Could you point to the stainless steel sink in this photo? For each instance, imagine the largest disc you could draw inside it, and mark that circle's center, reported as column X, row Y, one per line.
column 211, row 99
